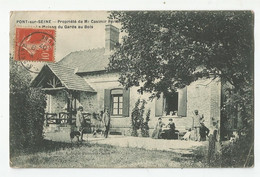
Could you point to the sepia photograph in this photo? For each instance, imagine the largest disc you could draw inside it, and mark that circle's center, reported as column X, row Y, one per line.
column 131, row 89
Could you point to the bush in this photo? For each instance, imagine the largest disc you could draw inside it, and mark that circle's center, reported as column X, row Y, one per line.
column 237, row 114
column 26, row 109
column 237, row 154
column 137, row 120
column 145, row 126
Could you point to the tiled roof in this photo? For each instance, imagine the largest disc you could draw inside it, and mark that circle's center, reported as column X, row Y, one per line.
column 67, row 77
column 87, row 60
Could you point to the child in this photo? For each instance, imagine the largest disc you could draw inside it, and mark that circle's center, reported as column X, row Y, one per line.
column 187, row 135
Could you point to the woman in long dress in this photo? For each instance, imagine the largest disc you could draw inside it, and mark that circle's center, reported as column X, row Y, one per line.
column 158, row 129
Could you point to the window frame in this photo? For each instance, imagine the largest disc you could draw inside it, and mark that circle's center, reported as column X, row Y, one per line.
column 118, row 104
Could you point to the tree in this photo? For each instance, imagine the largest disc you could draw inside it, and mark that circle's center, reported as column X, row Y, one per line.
column 26, row 109
column 163, row 51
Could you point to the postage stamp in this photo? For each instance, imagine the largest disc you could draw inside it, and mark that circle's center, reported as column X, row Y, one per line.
column 33, row 44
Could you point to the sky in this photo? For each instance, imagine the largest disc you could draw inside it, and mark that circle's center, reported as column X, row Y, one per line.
column 67, row 40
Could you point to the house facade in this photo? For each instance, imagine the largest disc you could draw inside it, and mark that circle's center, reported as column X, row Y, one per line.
column 81, row 79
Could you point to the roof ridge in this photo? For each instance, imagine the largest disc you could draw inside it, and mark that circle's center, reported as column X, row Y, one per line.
column 85, row 50
column 61, row 65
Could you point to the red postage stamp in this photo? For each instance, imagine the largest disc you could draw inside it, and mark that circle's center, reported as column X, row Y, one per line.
column 32, row 44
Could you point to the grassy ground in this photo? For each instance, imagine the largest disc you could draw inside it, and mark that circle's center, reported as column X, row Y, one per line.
column 56, row 154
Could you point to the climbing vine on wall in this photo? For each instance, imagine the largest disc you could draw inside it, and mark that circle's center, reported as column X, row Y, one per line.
column 137, row 120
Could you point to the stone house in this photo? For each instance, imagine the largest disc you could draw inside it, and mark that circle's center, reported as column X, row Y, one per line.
column 80, row 78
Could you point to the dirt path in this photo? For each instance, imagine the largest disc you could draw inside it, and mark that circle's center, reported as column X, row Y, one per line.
column 178, row 146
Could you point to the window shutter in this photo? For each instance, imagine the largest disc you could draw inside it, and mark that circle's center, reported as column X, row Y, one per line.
column 126, row 102
column 182, row 102
column 107, row 97
column 159, row 106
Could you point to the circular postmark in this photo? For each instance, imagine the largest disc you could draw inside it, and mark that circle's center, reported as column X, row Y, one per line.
column 37, row 46
column 31, row 66
column 34, row 45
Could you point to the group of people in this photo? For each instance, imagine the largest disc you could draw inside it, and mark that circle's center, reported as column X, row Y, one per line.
column 81, row 122
column 161, row 131
column 168, row 131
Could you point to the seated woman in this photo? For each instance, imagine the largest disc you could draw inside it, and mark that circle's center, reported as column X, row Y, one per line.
column 171, row 132
column 158, row 129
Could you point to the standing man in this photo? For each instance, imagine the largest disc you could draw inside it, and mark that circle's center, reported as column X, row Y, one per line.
column 80, row 121
column 106, row 120
column 197, row 119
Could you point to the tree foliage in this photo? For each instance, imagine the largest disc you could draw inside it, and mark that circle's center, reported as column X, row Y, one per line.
column 163, row 51
column 26, row 109
column 166, row 50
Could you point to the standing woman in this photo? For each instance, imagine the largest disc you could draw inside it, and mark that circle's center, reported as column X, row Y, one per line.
column 106, row 120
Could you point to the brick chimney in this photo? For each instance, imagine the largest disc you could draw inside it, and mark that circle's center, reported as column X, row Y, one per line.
column 112, row 37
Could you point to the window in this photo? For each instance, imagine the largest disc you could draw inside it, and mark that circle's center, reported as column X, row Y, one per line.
column 117, row 105
column 117, row 100
column 170, row 104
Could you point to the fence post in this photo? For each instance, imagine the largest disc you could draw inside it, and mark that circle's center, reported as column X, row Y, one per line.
column 212, row 146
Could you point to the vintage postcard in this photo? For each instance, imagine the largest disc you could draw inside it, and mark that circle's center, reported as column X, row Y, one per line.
column 131, row 89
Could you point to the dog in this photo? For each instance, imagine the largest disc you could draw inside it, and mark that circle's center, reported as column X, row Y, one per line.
column 98, row 131
column 234, row 137
column 74, row 134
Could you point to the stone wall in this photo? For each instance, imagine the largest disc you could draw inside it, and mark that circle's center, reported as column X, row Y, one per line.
column 89, row 102
column 198, row 98
column 205, row 96
column 56, row 102
column 215, row 102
